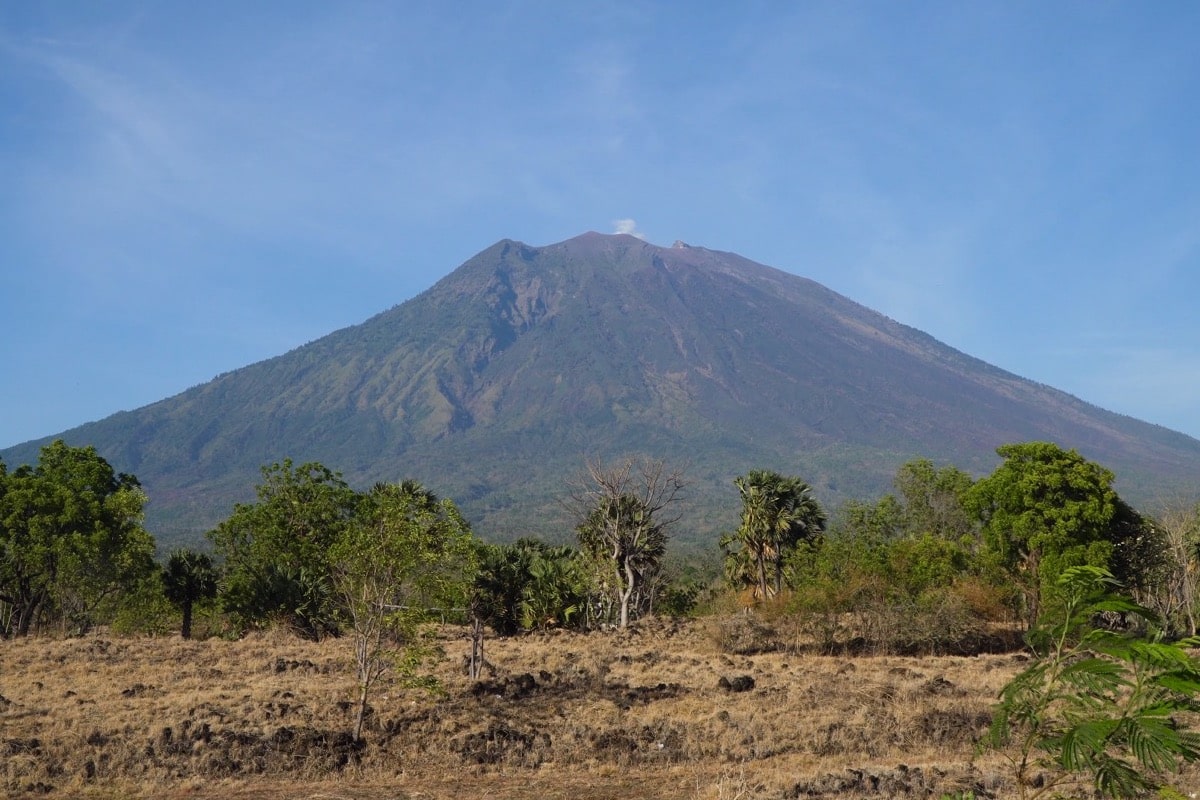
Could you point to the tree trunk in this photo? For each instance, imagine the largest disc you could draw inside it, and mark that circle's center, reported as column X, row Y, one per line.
column 24, row 620
column 26, row 606
column 761, row 559
column 1033, row 599
column 626, row 593
column 476, row 665
column 186, row 629
column 361, row 714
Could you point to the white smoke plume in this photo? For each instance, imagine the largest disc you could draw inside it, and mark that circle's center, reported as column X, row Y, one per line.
column 628, row 226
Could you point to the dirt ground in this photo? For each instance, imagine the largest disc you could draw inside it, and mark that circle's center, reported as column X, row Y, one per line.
column 664, row 710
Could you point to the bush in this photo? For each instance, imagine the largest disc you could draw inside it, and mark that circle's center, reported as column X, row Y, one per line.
column 677, row 599
column 145, row 611
column 1095, row 705
column 744, row 635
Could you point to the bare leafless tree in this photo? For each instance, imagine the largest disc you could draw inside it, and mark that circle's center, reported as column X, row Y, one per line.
column 622, row 512
column 1172, row 592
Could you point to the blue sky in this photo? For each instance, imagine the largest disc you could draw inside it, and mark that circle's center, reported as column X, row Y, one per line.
column 193, row 187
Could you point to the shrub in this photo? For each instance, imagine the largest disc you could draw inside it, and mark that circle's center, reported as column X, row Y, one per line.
column 1096, row 704
column 744, row 634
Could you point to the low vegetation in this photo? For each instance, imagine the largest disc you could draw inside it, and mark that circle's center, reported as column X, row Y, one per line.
column 1013, row 635
column 661, row 709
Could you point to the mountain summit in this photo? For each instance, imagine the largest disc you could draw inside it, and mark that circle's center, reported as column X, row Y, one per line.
column 492, row 386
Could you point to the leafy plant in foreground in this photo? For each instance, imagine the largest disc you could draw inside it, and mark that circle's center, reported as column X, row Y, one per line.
column 1096, row 704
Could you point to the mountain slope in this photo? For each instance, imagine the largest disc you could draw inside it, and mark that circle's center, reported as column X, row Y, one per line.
column 492, row 386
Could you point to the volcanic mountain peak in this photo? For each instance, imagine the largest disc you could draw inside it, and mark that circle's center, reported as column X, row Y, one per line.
column 492, row 386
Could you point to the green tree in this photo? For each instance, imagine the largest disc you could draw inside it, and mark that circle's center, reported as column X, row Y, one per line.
column 71, row 537
column 276, row 550
column 499, row 585
column 778, row 512
column 522, row 586
column 933, row 500
column 917, row 564
column 1045, row 509
column 557, row 588
column 1094, row 704
column 404, row 553
column 527, row 584
column 188, row 578
column 624, row 513
column 903, row 570
column 626, row 547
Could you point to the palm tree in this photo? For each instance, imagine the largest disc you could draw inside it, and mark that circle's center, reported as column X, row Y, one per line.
column 189, row 577
column 778, row 512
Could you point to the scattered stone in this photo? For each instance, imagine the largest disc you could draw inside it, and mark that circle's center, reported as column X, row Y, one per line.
column 517, row 687
column 12, row 747
column 740, row 683
column 901, row 782
column 502, row 743
column 939, row 685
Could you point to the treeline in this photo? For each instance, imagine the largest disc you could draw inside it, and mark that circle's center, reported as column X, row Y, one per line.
column 929, row 568
column 932, row 566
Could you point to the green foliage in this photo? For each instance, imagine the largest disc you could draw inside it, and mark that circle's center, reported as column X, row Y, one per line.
column 778, row 512
column 863, row 613
column 71, row 538
column 527, row 585
column 404, row 553
column 678, row 599
column 411, row 545
column 926, row 562
column 1097, row 704
column 499, row 584
column 624, row 512
column 145, row 610
column 188, row 578
column 1045, row 509
column 276, row 550
column 626, row 548
column 931, row 500
column 557, row 590
column 900, row 575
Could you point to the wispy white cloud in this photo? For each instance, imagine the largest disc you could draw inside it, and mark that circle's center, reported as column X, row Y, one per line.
column 154, row 152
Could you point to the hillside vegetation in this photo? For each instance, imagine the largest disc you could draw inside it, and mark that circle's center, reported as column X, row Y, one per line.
column 500, row 380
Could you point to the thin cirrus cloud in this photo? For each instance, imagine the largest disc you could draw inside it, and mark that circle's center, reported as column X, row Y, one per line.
column 230, row 185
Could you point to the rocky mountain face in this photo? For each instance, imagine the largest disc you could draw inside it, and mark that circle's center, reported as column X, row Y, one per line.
column 495, row 384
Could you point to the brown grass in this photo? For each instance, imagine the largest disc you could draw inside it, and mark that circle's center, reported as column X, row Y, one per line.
column 639, row 713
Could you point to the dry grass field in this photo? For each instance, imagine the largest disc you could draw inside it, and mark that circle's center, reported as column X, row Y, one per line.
column 663, row 710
